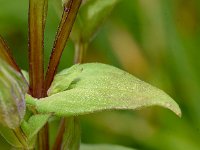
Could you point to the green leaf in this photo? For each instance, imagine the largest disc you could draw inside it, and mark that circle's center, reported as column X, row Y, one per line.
column 10, row 136
column 57, row 84
column 90, row 17
column 34, row 124
column 103, row 147
column 12, row 92
column 102, row 87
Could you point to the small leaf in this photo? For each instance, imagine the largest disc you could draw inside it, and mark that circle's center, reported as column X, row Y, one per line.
column 66, row 76
column 90, row 17
column 34, row 124
column 102, row 87
column 12, row 91
column 103, row 147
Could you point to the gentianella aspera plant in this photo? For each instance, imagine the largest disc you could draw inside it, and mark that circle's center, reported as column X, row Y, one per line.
column 29, row 100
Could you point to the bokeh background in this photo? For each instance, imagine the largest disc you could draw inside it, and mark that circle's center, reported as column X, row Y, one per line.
column 155, row 40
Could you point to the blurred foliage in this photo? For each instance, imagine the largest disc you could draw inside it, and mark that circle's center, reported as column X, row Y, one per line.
column 156, row 40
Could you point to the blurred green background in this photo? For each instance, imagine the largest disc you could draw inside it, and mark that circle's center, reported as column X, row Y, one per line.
column 157, row 41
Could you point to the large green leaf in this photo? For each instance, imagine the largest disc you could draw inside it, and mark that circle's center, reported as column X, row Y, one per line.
column 103, row 147
column 102, row 87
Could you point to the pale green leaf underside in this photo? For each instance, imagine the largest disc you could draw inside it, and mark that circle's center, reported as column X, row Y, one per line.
column 103, row 147
column 102, row 87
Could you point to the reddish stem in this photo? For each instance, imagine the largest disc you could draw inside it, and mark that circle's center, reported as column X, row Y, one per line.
column 37, row 20
column 58, row 143
column 69, row 14
column 37, row 17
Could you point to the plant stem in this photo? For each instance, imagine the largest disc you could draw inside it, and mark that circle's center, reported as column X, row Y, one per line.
column 69, row 14
column 37, row 20
column 21, row 137
column 80, row 49
column 37, row 17
column 43, row 138
column 58, row 142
